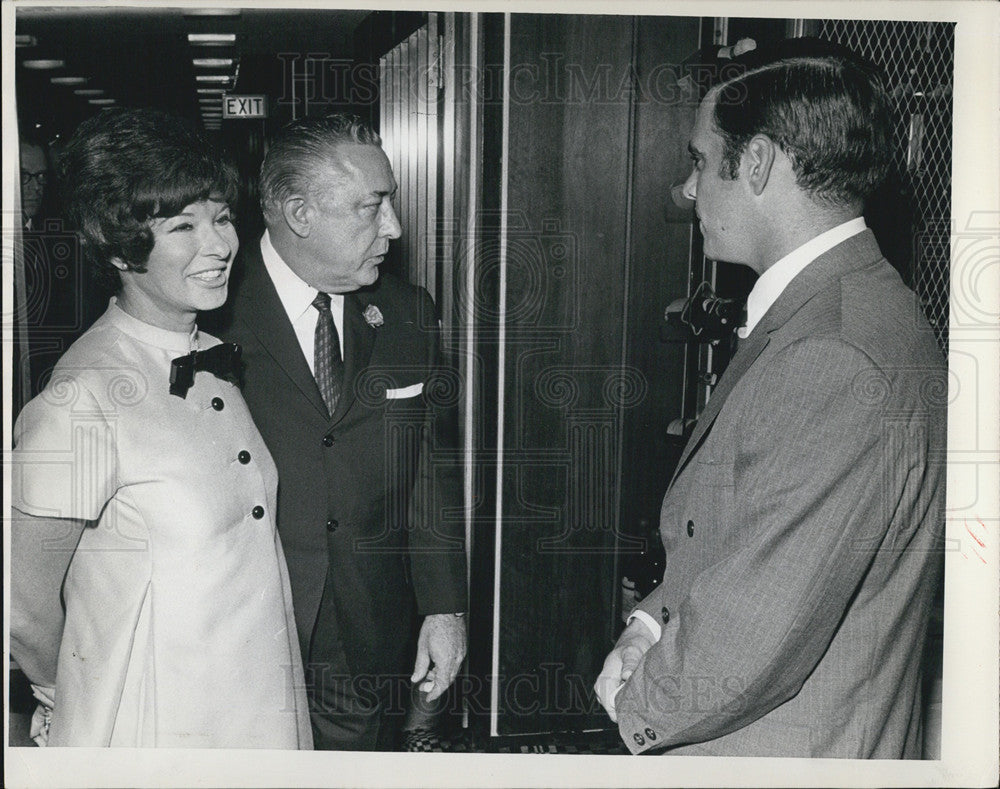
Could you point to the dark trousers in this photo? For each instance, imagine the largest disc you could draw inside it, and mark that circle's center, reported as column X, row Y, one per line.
column 352, row 713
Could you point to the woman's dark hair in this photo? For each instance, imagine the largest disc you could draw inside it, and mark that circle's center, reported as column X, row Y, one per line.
column 125, row 167
column 824, row 106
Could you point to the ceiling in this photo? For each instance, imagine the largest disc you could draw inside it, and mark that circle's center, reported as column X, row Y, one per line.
column 142, row 57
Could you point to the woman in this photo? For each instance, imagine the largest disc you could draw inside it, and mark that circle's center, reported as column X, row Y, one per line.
column 139, row 469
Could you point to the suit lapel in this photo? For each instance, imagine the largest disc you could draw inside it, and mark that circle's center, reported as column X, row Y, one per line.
column 359, row 339
column 746, row 355
column 854, row 253
column 265, row 317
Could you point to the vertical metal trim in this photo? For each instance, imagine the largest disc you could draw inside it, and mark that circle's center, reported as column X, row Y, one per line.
column 475, row 143
column 632, row 133
column 398, row 96
column 431, row 152
column 501, row 379
column 412, row 155
column 421, row 105
column 446, row 249
column 383, row 102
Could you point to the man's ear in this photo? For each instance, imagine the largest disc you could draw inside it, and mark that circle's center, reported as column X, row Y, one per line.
column 758, row 160
column 297, row 214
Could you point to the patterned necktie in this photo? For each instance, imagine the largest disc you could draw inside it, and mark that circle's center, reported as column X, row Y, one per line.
column 329, row 365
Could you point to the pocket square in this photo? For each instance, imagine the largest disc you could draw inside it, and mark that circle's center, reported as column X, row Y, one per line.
column 406, row 391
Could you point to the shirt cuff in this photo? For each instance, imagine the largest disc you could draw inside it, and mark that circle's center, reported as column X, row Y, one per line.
column 614, row 697
column 647, row 620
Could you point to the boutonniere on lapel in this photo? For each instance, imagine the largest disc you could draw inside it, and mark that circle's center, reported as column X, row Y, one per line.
column 373, row 316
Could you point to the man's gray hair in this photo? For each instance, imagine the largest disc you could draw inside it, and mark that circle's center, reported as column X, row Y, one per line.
column 298, row 148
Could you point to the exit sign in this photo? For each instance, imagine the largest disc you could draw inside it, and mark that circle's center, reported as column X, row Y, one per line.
column 234, row 106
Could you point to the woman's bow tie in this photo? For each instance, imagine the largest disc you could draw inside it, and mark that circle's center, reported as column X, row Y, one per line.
column 223, row 361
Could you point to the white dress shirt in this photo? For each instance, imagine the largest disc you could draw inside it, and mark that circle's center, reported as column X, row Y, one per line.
column 774, row 281
column 297, row 297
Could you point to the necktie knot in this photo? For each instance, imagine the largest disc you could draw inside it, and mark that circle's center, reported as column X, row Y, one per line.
column 322, row 302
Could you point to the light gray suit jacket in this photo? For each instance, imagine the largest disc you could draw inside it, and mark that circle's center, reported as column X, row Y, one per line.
column 803, row 533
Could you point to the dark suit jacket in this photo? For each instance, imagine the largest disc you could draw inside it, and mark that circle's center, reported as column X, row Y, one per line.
column 369, row 502
column 802, row 533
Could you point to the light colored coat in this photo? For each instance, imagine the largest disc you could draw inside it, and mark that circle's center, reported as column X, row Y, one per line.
column 803, row 533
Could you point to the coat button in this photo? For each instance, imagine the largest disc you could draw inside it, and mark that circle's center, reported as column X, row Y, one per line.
column 243, row 457
column 651, row 734
column 665, row 614
column 690, row 528
column 217, row 403
column 257, row 512
column 638, row 739
column 328, row 441
column 332, row 524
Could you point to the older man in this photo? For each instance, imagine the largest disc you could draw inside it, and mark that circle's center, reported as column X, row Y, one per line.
column 802, row 525
column 342, row 378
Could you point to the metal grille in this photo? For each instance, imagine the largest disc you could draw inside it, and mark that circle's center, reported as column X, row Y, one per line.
column 917, row 58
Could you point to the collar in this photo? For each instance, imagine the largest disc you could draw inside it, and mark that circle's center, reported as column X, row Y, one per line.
column 173, row 341
column 294, row 293
column 773, row 282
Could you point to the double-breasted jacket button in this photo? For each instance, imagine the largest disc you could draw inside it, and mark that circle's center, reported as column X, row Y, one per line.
column 651, row 734
column 690, row 528
column 328, row 441
column 243, row 457
column 639, row 740
column 217, row 403
column 257, row 512
column 332, row 524
column 665, row 614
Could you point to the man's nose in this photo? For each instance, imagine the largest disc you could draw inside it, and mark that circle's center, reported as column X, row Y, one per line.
column 690, row 188
column 390, row 222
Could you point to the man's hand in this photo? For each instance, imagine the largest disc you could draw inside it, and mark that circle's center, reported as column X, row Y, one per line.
column 440, row 650
column 633, row 643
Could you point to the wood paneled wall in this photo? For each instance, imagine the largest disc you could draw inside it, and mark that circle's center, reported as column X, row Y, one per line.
column 587, row 256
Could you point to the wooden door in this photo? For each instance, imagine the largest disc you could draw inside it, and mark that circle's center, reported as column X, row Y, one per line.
column 577, row 261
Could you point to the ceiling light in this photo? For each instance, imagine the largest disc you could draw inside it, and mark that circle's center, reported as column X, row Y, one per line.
column 212, row 62
column 89, row 92
column 210, row 99
column 211, row 39
column 26, row 41
column 68, row 80
column 212, row 90
column 216, row 79
column 44, row 64
column 212, row 12
column 101, row 101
